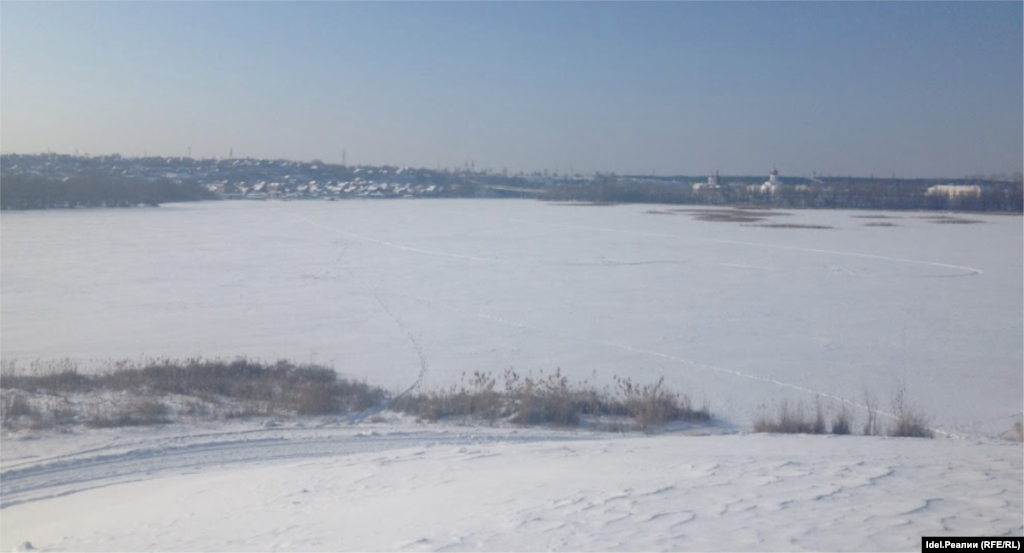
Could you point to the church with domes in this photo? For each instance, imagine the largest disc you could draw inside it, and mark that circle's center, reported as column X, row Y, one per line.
column 773, row 183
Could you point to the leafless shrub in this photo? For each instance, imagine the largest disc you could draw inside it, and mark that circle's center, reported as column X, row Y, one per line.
column 908, row 422
column 871, row 425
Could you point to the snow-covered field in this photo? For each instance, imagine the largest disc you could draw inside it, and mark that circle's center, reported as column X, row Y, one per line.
column 395, row 487
column 405, row 293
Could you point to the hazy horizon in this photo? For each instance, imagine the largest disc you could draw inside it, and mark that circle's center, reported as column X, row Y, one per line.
column 911, row 90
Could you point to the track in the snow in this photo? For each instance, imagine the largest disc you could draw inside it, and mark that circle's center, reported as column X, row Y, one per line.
column 106, row 466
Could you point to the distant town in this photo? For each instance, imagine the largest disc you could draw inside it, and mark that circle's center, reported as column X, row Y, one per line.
column 38, row 181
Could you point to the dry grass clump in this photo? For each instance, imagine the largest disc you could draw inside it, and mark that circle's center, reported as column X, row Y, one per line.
column 479, row 401
column 16, row 409
column 842, row 422
column 908, row 421
column 652, row 405
column 910, row 424
column 144, row 393
column 159, row 391
column 57, row 377
column 551, row 400
column 548, row 400
column 789, row 418
column 280, row 387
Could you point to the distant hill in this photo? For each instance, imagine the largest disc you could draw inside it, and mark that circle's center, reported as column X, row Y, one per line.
column 39, row 181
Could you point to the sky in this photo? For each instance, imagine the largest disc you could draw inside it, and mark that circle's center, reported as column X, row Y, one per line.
column 906, row 89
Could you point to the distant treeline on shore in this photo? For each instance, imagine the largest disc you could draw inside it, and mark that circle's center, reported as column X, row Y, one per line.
column 93, row 190
column 44, row 181
column 833, row 194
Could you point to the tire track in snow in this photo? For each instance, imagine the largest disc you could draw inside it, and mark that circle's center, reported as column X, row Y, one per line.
column 153, row 458
column 405, row 329
column 397, row 320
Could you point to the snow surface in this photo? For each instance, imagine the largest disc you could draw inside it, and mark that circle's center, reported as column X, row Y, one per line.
column 406, row 487
column 414, row 293
column 418, row 292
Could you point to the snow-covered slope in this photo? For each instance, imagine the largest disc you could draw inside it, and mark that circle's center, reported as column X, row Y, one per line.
column 400, row 487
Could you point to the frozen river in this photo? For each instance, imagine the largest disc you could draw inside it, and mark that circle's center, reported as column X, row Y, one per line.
column 418, row 291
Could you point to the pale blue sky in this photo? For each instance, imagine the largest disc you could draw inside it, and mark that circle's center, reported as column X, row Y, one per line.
column 916, row 89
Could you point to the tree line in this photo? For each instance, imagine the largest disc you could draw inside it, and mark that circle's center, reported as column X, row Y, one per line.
column 93, row 189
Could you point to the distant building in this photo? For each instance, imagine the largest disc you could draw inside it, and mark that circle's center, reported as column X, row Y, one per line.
column 710, row 185
column 953, row 190
column 773, row 183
